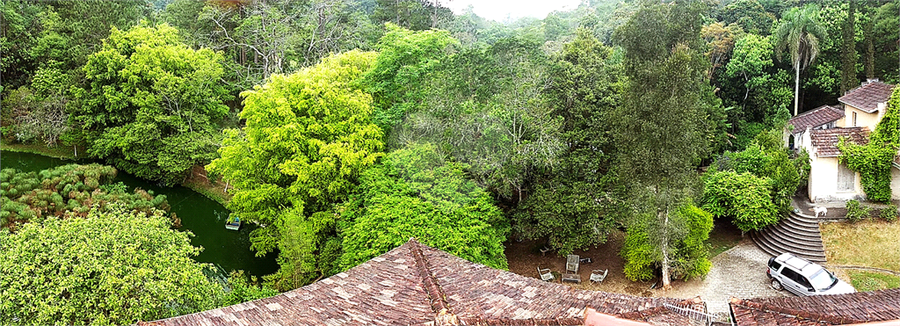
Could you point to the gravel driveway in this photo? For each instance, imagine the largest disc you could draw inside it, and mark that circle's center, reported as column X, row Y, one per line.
column 738, row 272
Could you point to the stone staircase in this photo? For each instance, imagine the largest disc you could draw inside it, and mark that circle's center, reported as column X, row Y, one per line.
column 796, row 233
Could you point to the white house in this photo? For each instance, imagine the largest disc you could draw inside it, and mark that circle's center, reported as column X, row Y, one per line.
column 819, row 130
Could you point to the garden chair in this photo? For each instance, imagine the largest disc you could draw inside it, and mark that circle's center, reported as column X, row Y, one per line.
column 545, row 274
column 598, row 275
column 572, row 263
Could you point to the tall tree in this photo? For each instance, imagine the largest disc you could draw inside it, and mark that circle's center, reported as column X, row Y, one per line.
column 799, row 32
column 571, row 203
column 666, row 119
column 307, row 138
column 848, row 50
column 151, row 103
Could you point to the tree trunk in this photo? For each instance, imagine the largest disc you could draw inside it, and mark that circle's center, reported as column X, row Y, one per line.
column 796, row 87
column 666, row 285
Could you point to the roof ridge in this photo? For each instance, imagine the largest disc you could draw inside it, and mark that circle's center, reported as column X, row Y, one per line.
column 439, row 302
column 837, row 320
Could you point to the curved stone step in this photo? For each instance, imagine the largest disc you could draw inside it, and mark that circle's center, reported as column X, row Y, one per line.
column 803, row 236
column 806, row 248
column 795, row 234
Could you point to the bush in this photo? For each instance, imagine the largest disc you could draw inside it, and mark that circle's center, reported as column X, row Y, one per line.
column 890, row 213
column 856, row 211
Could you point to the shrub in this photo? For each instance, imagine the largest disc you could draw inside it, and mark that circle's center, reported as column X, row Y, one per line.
column 856, row 211
column 890, row 213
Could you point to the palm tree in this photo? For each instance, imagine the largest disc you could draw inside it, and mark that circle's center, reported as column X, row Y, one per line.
column 800, row 33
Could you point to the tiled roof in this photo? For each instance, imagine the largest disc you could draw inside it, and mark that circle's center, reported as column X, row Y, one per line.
column 816, row 117
column 860, row 307
column 418, row 285
column 867, row 97
column 825, row 140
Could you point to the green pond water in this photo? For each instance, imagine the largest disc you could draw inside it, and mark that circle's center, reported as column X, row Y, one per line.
column 226, row 250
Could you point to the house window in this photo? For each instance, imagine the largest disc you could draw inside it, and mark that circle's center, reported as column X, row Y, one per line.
column 854, row 119
column 846, row 178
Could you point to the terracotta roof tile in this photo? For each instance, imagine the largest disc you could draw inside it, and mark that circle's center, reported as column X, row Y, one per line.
column 825, row 140
column 838, row 309
column 867, row 97
column 418, row 285
column 816, row 117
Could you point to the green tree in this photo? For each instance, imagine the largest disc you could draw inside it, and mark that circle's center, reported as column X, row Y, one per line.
column 800, row 33
column 110, row 268
column 751, row 61
column 848, row 50
column 416, row 193
column 151, row 103
column 665, row 70
column 307, row 138
column 405, row 59
column 688, row 230
column 744, row 197
column 571, row 203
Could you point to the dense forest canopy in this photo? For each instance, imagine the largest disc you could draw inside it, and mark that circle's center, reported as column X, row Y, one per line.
column 347, row 127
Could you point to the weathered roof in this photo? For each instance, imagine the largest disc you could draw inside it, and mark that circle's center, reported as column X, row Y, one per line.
column 418, row 285
column 815, row 117
column 860, row 307
column 867, row 96
column 825, row 140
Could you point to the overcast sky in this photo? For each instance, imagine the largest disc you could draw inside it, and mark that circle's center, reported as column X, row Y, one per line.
column 499, row 9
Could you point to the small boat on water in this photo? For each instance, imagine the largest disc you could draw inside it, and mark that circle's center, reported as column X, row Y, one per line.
column 233, row 224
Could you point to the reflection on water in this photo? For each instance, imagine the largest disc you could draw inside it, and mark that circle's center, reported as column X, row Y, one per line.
column 205, row 218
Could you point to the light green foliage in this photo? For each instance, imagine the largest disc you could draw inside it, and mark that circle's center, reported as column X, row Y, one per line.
column 307, row 138
column 151, row 103
column 751, row 61
column 404, row 60
column 685, row 235
column 744, row 197
column 68, row 190
column 244, row 288
column 749, row 14
column 111, row 267
column 856, row 211
column 873, row 160
column 416, row 193
column 571, row 203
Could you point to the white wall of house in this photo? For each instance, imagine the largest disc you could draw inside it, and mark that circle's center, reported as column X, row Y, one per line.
column 895, row 183
column 829, row 181
column 863, row 119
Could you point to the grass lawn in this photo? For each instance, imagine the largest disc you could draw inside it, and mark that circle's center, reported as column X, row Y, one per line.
column 870, row 243
column 723, row 236
column 872, row 281
column 60, row 151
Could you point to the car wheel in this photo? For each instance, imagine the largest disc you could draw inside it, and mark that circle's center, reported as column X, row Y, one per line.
column 777, row 285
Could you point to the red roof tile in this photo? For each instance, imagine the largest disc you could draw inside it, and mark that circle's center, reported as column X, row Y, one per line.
column 838, row 309
column 825, row 140
column 867, row 97
column 417, row 285
column 816, row 117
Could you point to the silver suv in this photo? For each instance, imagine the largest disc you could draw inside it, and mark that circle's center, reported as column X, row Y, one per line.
column 803, row 278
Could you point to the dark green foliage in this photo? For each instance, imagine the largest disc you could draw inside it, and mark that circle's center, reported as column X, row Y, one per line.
column 848, row 50
column 571, row 203
column 416, row 193
column 873, row 160
column 69, row 190
column 889, row 213
column 856, row 211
